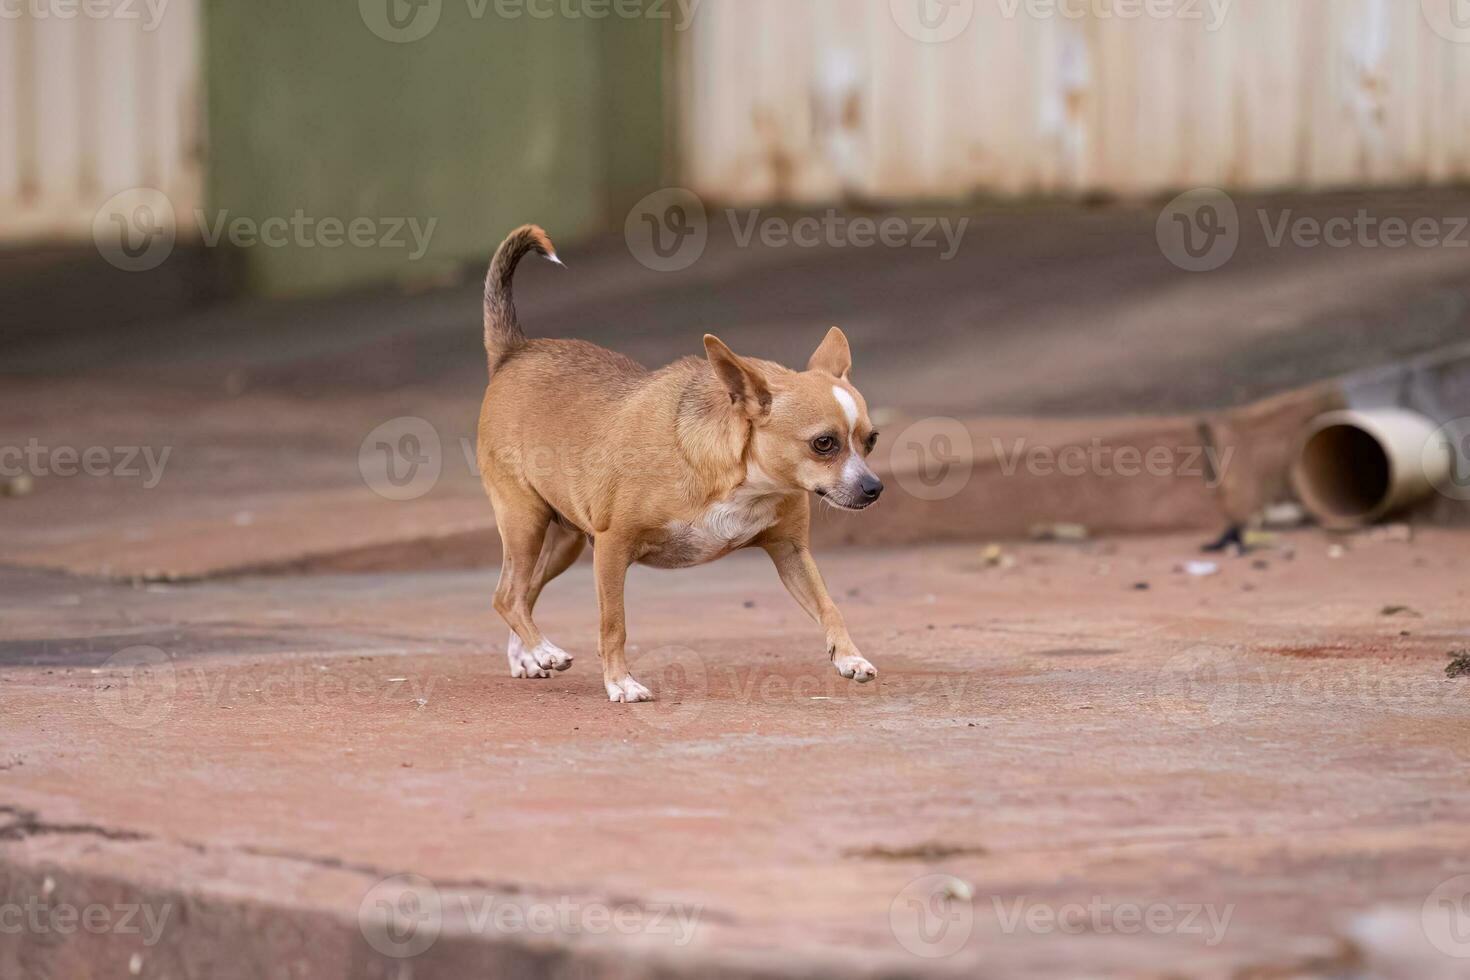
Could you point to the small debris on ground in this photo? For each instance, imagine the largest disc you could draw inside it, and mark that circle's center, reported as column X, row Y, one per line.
column 1400, row 611
column 17, row 486
column 1231, row 541
column 1283, row 516
column 1392, row 532
column 1141, row 586
column 927, row 851
column 996, row 557
column 1200, row 569
column 1061, row 531
column 957, row 889
column 1254, row 539
column 1460, row 665
column 1336, row 551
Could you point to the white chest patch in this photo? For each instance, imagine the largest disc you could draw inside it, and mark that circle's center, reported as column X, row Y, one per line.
column 724, row 526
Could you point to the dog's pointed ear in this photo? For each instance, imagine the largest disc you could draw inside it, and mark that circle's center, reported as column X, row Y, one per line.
column 749, row 393
column 834, row 356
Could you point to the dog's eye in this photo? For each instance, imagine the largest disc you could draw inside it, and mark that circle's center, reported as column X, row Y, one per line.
column 872, row 441
column 824, row 445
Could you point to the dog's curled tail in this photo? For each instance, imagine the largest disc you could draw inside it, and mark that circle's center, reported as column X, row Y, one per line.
column 502, row 330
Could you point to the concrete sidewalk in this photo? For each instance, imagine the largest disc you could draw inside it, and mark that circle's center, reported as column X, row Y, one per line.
column 1084, row 762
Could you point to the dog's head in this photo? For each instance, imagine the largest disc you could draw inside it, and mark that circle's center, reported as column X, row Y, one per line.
column 811, row 429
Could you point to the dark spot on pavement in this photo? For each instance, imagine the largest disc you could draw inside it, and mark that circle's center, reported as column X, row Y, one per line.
column 927, row 851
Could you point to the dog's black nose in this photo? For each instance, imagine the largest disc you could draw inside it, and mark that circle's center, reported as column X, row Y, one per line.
column 872, row 487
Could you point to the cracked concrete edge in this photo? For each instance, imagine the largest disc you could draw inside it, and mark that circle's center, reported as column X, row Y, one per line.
column 212, row 911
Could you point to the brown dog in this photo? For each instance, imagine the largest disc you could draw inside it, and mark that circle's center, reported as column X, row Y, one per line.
column 669, row 468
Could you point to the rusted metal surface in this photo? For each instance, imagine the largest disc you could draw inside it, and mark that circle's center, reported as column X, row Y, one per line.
column 809, row 100
column 95, row 99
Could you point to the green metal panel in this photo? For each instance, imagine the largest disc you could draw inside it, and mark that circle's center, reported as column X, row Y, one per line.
column 486, row 122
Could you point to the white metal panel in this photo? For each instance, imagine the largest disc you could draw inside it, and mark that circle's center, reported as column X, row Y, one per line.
column 1306, row 94
column 93, row 104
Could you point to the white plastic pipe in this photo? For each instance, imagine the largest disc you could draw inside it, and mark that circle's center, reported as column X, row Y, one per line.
column 1356, row 467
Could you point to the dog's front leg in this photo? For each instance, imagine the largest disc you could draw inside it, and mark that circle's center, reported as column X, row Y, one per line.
column 610, row 560
column 798, row 571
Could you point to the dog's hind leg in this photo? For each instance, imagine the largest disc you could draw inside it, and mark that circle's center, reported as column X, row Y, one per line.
column 562, row 549
column 523, row 520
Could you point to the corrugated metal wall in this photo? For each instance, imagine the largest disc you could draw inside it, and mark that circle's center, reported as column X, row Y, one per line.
column 807, row 100
column 95, row 99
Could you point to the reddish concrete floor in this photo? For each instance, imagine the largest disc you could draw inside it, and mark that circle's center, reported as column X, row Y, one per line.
column 1255, row 774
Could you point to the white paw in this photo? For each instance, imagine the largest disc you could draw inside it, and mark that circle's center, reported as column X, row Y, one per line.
column 539, row 662
column 627, row 691
column 549, row 655
column 855, row 668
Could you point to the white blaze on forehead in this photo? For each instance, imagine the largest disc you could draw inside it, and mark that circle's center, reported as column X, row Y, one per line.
column 849, row 406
